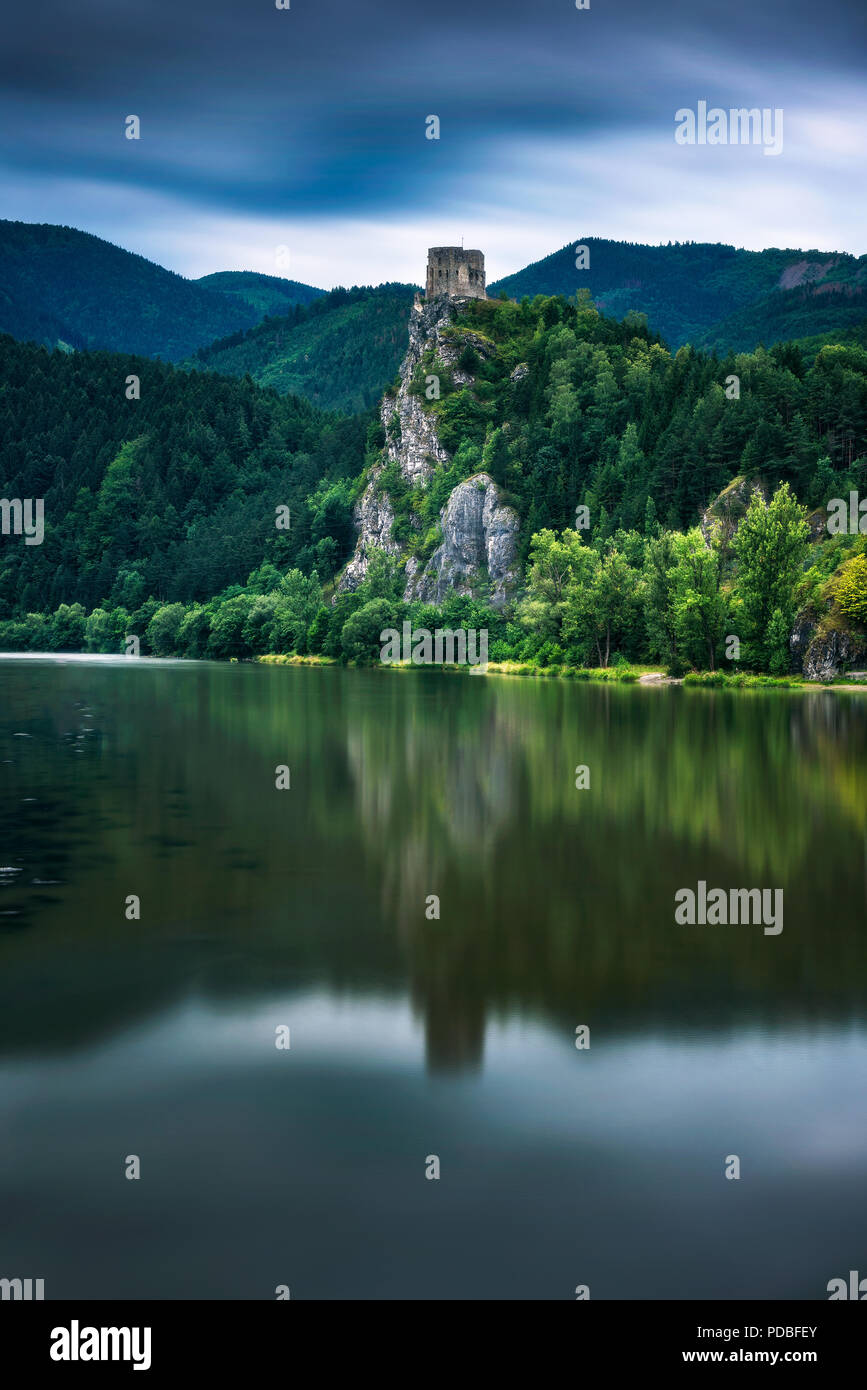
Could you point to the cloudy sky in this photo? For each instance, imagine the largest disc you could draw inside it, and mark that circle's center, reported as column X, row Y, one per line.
column 305, row 128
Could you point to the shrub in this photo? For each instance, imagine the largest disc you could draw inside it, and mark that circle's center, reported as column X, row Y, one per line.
column 850, row 589
column 164, row 628
column 360, row 636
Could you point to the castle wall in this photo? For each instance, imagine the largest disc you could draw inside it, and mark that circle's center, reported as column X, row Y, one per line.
column 453, row 271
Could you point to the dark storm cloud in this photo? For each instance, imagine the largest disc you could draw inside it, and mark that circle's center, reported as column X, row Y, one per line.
column 319, row 111
column 325, row 102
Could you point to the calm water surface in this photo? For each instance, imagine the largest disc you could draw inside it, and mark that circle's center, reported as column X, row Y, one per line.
column 412, row 1037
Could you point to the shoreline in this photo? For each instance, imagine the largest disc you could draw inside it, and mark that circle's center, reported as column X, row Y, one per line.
column 600, row 675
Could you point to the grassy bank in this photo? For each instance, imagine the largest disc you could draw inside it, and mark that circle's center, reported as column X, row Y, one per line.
column 618, row 675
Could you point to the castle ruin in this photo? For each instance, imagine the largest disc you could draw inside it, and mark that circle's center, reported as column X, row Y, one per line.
column 455, row 272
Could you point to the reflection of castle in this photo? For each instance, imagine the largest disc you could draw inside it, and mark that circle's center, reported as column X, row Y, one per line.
column 453, row 271
column 454, row 1020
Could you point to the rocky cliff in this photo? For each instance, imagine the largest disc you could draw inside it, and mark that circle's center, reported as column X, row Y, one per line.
column 829, row 653
column 478, row 551
column 823, row 645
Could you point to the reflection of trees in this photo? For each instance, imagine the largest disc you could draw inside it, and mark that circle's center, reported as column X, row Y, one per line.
column 557, row 899
column 553, row 901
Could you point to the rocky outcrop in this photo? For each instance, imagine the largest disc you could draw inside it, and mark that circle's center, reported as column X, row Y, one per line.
column 411, row 431
column 479, row 547
column 374, row 517
column 411, row 440
column 817, row 521
column 727, row 511
column 829, row 650
column 802, row 636
column 805, row 272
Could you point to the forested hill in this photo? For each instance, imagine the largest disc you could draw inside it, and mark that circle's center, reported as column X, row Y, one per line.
column 267, row 294
column 800, row 314
column 61, row 285
column 707, row 294
column 160, row 513
column 340, row 351
column 570, row 407
column 173, row 494
column 64, row 288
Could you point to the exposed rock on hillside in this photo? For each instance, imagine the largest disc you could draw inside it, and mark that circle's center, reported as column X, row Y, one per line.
column 412, row 440
column 805, row 272
column 829, row 650
column 480, row 531
column 728, row 510
column 479, row 544
column 374, row 517
column 802, row 636
column 817, row 520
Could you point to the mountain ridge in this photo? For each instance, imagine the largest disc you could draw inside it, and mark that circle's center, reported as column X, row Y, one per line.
column 59, row 285
column 689, row 290
column 340, row 351
column 340, row 348
column 268, row 294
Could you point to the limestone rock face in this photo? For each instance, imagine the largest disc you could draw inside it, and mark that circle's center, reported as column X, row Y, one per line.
column 373, row 517
column 801, row 637
column 415, row 446
column 480, row 535
column 479, row 531
column 826, row 653
column 411, row 441
column 728, row 510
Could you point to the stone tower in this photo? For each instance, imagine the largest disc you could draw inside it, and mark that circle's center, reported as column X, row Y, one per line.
column 453, row 271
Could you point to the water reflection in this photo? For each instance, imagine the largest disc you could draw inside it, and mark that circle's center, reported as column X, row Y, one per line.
column 411, row 1035
column 160, row 781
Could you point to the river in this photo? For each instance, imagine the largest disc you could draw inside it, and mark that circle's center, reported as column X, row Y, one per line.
column 426, row 914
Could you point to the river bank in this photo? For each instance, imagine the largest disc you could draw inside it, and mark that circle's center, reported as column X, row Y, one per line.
column 619, row 675
column 610, row 675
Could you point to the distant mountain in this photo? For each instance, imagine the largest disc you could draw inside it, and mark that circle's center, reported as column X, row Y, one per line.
column 63, row 288
column 340, row 351
column 59, row 285
column 707, row 294
column 66, row 288
column 802, row 313
column 267, row 294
